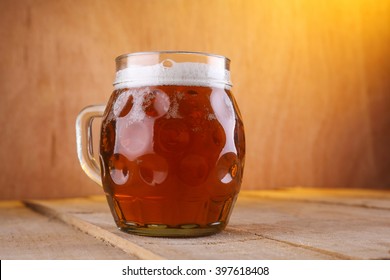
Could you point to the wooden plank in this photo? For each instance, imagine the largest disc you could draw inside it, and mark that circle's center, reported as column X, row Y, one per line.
column 237, row 242
column 289, row 224
column 81, row 209
column 25, row 234
column 357, row 232
column 379, row 199
column 230, row 244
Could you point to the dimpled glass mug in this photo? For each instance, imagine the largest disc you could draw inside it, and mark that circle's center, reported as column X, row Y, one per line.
column 172, row 144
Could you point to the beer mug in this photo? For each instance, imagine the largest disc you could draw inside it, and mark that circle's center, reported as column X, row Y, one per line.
column 172, row 144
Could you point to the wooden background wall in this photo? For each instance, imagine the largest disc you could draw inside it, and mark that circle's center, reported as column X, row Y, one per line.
column 312, row 79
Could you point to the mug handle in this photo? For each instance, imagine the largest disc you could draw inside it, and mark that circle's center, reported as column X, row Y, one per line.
column 84, row 141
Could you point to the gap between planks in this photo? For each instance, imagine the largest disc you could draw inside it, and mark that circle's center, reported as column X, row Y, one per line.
column 354, row 198
column 95, row 231
column 332, row 254
column 140, row 252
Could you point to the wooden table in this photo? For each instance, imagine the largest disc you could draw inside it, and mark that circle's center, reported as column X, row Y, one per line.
column 297, row 223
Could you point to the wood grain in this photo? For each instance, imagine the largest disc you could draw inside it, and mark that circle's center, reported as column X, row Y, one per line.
column 312, row 80
column 88, row 227
column 282, row 224
column 356, row 232
column 25, row 234
column 230, row 244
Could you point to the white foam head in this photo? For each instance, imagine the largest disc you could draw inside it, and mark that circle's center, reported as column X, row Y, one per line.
column 169, row 72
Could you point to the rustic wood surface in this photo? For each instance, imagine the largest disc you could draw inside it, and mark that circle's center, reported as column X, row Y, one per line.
column 311, row 79
column 280, row 224
column 25, row 234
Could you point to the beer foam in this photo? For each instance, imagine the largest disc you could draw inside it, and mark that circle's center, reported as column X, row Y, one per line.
column 169, row 72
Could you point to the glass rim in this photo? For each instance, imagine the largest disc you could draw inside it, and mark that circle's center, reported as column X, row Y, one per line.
column 118, row 58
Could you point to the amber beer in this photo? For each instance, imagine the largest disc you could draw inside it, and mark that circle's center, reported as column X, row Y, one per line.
column 171, row 148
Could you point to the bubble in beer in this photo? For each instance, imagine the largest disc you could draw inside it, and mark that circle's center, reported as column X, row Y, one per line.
column 173, row 111
column 155, row 103
column 167, row 63
column 153, row 169
column 193, row 170
column 119, row 171
column 227, row 168
column 137, row 114
column 123, row 104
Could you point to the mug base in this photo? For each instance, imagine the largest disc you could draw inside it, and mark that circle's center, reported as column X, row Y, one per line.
column 161, row 230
